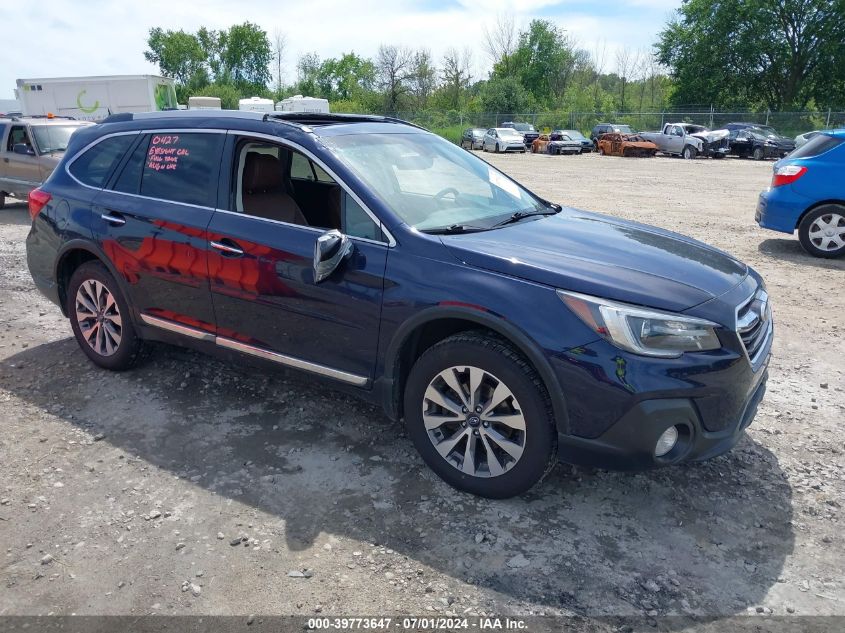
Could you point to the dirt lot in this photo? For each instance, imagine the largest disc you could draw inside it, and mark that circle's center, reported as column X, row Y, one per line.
column 189, row 487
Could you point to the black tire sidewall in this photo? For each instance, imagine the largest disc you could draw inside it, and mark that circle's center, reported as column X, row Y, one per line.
column 129, row 347
column 804, row 231
column 541, row 435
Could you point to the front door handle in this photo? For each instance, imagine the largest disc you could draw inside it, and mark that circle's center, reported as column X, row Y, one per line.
column 228, row 247
column 114, row 218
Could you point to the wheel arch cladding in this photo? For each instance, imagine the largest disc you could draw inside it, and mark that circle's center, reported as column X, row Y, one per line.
column 816, row 205
column 430, row 327
column 73, row 255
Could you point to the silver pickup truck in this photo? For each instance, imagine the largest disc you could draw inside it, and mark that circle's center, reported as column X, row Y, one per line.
column 689, row 140
column 30, row 149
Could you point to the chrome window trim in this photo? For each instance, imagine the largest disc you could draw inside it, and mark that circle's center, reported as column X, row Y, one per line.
column 89, row 146
column 278, row 140
column 137, row 133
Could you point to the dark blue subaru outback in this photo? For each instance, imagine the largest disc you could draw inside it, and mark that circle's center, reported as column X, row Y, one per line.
column 505, row 330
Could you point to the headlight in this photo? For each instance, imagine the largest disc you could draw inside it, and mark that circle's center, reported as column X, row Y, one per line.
column 642, row 330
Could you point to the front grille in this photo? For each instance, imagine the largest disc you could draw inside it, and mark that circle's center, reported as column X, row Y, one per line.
column 754, row 325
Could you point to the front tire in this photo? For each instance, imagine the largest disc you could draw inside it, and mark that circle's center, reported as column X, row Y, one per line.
column 480, row 416
column 822, row 231
column 758, row 153
column 100, row 319
column 689, row 152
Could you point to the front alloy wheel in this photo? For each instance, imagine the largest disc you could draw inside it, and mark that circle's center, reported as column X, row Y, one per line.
column 474, row 421
column 480, row 416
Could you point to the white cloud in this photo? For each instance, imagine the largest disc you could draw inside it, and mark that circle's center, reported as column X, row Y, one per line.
column 98, row 37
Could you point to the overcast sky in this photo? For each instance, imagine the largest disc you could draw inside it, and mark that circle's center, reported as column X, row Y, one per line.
column 59, row 38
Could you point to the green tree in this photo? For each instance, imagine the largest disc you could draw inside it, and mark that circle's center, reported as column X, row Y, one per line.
column 178, row 55
column 505, row 95
column 227, row 93
column 544, row 61
column 246, row 57
column 776, row 53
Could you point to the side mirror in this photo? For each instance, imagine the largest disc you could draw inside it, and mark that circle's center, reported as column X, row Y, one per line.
column 23, row 148
column 331, row 249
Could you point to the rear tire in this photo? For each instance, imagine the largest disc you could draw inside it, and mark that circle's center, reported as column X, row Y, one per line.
column 822, row 231
column 689, row 152
column 499, row 452
column 100, row 319
column 497, row 148
column 2, row 199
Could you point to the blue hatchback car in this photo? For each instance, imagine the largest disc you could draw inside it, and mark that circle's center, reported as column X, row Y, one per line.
column 504, row 330
column 807, row 194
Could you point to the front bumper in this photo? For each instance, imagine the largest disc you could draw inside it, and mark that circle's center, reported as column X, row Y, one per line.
column 629, row 444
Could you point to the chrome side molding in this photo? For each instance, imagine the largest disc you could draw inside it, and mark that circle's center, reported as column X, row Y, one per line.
column 260, row 352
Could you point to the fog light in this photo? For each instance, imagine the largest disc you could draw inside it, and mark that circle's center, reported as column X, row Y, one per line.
column 666, row 442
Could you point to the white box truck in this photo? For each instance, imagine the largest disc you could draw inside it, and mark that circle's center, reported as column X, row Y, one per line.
column 256, row 104
column 95, row 98
column 298, row 103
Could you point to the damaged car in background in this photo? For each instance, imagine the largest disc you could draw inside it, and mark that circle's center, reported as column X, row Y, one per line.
column 689, row 140
column 757, row 141
column 616, row 144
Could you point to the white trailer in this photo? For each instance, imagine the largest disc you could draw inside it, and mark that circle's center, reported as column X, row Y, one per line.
column 256, row 104
column 298, row 103
column 204, row 103
column 95, row 98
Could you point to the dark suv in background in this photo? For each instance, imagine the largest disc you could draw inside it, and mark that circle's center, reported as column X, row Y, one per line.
column 528, row 131
column 750, row 140
column 505, row 330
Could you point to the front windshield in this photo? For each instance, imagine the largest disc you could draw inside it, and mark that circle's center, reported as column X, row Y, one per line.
column 53, row 138
column 765, row 129
column 623, row 129
column 524, row 127
column 478, row 132
column 573, row 134
column 506, row 132
column 432, row 184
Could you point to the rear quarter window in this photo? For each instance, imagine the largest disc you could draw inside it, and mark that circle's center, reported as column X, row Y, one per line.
column 94, row 166
column 817, row 145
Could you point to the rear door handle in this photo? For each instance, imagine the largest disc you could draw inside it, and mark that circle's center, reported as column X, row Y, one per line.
column 114, row 218
column 228, row 247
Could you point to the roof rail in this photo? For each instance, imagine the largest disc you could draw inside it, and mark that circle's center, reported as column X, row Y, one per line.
column 18, row 117
column 303, row 119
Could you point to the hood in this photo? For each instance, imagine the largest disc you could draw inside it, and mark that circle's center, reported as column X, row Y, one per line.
column 711, row 136
column 603, row 256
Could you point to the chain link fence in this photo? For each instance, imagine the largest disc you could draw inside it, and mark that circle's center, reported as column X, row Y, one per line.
column 451, row 123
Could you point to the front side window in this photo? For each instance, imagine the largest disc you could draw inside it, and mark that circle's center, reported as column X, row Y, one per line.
column 95, row 165
column 182, row 167
column 16, row 136
column 430, row 183
column 278, row 183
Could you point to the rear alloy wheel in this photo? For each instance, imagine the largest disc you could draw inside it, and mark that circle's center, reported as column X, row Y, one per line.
column 689, row 152
column 99, row 317
column 822, row 231
column 480, row 416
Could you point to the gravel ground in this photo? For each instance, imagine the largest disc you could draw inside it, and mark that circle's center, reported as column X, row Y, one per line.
column 187, row 486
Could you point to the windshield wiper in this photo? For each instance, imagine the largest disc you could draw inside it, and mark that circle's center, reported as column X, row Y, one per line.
column 453, row 229
column 520, row 215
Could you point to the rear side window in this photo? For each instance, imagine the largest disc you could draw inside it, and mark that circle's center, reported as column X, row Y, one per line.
column 816, row 146
column 182, row 167
column 95, row 165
